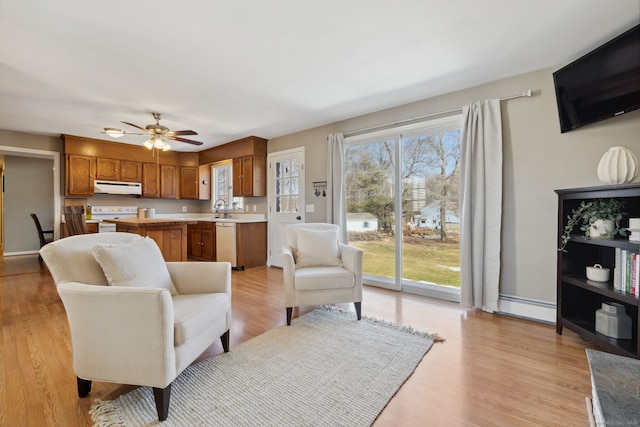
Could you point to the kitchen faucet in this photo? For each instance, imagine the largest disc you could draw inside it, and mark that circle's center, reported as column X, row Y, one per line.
column 225, row 204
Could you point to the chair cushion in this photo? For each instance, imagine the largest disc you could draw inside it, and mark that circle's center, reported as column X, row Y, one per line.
column 194, row 313
column 317, row 248
column 136, row 263
column 314, row 278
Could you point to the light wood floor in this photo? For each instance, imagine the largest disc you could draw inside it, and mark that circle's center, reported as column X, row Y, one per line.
column 492, row 369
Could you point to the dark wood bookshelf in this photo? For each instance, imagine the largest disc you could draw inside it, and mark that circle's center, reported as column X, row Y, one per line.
column 577, row 297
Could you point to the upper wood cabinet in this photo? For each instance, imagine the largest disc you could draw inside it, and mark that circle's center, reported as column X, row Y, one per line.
column 168, row 182
column 150, row 180
column 189, row 182
column 80, row 175
column 118, row 170
column 249, row 176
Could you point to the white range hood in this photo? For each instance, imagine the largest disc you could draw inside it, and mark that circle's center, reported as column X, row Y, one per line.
column 117, row 187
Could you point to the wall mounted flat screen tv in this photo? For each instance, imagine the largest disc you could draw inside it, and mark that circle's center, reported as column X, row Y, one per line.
column 602, row 84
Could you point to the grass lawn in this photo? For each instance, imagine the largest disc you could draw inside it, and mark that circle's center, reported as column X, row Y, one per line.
column 423, row 260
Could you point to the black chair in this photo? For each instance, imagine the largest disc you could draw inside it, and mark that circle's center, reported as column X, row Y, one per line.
column 41, row 233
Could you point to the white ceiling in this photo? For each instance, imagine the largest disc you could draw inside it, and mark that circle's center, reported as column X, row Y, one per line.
column 230, row 69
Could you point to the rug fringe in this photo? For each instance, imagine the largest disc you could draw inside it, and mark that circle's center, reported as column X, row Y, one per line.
column 386, row 323
column 105, row 414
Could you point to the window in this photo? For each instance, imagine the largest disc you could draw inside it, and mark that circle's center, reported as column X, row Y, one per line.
column 222, row 187
column 406, row 181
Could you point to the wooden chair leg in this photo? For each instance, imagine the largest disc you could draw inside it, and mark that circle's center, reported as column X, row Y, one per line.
column 162, row 396
column 358, row 306
column 289, row 313
column 225, row 341
column 84, row 387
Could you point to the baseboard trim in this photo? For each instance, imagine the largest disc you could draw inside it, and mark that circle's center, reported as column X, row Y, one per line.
column 20, row 253
column 540, row 311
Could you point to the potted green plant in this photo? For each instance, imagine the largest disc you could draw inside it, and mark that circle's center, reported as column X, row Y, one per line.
column 597, row 218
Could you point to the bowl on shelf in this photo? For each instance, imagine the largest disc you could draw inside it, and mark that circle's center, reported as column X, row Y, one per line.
column 597, row 273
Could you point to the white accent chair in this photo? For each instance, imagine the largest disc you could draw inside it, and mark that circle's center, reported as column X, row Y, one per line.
column 137, row 335
column 318, row 269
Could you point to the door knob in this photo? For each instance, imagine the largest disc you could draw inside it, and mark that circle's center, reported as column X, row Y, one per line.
column 298, row 218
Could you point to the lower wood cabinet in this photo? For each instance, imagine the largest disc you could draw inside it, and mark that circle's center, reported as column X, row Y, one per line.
column 201, row 243
column 171, row 238
column 251, row 244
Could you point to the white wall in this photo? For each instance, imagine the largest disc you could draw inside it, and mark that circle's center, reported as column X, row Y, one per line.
column 537, row 160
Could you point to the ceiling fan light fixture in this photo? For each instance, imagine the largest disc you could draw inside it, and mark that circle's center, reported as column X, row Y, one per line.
column 113, row 132
column 166, row 147
column 158, row 142
column 148, row 144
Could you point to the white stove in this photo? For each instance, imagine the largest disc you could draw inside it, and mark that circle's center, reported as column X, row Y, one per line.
column 111, row 212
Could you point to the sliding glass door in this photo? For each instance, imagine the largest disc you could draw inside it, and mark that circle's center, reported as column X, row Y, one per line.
column 402, row 204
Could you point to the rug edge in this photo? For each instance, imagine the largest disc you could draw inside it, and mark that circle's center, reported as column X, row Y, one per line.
column 435, row 337
column 104, row 413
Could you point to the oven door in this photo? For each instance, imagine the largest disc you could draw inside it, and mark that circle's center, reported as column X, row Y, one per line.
column 106, row 227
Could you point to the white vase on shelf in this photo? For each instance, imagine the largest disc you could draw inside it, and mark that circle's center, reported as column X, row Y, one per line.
column 618, row 166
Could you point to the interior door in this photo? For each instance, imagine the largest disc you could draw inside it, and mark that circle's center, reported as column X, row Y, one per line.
column 285, row 193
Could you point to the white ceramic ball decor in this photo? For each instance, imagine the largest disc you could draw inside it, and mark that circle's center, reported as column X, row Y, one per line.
column 618, row 166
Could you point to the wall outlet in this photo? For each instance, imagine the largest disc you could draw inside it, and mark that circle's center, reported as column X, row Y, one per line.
column 184, row 209
column 254, row 208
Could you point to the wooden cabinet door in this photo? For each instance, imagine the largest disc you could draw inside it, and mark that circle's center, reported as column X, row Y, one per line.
column 247, row 176
column 195, row 244
column 189, row 182
column 150, row 181
column 130, row 171
column 107, row 169
column 80, row 175
column 237, row 177
column 208, row 244
column 168, row 182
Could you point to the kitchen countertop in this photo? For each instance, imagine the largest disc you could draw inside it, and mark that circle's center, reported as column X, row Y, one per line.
column 137, row 222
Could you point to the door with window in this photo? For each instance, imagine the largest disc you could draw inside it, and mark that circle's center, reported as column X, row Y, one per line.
column 401, row 192
column 286, row 201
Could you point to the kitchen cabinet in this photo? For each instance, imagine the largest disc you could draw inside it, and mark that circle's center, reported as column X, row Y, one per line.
column 249, row 176
column 168, row 180
column 201, row 240
column 118, row 170
column 159, row 181
column 251, row 244
column 579, row 298
column 169, row 234
column 80, row 174
column 150, row 180
column 189, row 182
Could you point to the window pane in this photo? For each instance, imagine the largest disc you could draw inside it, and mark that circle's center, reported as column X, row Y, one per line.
column 369, row 192
column 430, row 245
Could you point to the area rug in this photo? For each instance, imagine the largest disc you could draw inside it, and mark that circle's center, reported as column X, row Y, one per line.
column 326, row 369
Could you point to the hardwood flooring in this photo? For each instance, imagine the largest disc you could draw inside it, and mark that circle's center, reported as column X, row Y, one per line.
column 492, row 369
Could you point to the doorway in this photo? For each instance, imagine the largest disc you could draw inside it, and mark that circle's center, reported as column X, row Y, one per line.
column 52, row 179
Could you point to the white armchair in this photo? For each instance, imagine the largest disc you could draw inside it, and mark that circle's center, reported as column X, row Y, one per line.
column 137, row 335
column 317, row 269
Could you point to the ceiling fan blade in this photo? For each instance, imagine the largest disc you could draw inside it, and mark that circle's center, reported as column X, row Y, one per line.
column 188, row 141
column 181, row 132
column 136, row 126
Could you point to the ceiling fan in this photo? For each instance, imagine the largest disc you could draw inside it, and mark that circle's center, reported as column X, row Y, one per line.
column 157, row 132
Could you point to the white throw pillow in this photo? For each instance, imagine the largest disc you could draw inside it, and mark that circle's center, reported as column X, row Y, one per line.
column 137, row 263
column 317, row 248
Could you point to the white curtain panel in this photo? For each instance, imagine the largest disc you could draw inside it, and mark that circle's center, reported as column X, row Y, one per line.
column 336, row 211
column 481, row 205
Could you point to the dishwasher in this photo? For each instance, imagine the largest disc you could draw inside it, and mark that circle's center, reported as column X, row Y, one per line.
column 226, row 243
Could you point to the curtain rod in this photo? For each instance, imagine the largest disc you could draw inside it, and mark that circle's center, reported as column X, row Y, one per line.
column 525, row 94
